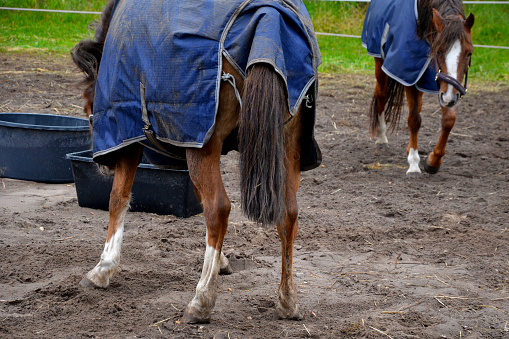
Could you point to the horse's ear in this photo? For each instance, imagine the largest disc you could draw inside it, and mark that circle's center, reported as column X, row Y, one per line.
column 470, row 21
column 438, row 21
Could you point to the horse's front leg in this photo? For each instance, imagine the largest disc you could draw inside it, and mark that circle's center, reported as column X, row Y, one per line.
column 434, row 160
column 204, row 172
column 378, row 127
column 125, row 169
column 414, row 99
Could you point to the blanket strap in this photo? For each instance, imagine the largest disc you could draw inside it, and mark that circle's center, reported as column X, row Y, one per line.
column 231, row 80
column 149, row 132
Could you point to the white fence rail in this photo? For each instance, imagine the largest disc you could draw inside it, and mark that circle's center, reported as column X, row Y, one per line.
column 317, row 33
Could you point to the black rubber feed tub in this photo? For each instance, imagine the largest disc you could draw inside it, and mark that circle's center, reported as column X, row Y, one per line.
column 34, row 146
column 155, row 190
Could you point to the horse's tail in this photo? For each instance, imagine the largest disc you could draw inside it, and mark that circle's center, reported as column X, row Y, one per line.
column 262, row 145
column 393, row 105
column 87, row 53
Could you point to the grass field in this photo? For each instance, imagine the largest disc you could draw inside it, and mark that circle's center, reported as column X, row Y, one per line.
column 56, row 33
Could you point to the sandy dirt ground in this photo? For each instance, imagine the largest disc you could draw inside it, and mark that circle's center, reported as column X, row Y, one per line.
column 378, row 255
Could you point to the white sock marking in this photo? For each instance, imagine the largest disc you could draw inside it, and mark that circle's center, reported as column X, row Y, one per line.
column 110, row 257
column 381, row 137
column 413, row 161
column 205, row 297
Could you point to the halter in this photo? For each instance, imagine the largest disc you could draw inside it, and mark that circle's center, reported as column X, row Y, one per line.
column 462, row 89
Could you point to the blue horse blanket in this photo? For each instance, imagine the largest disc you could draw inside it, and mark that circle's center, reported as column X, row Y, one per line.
column 389, row 33
column 174, row 50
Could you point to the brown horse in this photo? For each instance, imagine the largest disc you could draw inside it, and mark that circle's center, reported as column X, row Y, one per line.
column 270, row 165
column 444, row 26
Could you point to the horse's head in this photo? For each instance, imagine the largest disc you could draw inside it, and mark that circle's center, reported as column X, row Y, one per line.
column 87, row 56
column 452, row 50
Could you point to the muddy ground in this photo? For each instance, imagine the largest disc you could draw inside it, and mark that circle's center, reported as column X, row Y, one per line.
column 378, row 255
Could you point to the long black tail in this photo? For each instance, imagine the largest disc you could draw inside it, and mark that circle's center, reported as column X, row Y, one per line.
column 87, row 53
column 393, row 105
column 262, row 145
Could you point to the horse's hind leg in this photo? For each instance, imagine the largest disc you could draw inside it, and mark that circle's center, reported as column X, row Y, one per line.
column 286, row 306
column 204, row 171
column 414, row 99
column 224, row 263
column 125, row 169
column 378, row 125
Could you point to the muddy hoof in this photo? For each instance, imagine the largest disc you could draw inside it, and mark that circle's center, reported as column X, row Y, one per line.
column 227, row 270
column 192, row 316
column 288, row 316
column 87, row 283
column 381, row 148
column 429, row 169
column 287, row 313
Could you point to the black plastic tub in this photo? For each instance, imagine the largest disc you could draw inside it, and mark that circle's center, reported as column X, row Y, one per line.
column 154, row 190
column 34, row 146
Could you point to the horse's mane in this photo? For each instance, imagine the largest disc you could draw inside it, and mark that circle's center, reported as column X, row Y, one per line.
column 87, row 53
column 452, row 13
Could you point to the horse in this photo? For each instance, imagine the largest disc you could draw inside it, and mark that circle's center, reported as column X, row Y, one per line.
column 254, row 115
column 429, row 54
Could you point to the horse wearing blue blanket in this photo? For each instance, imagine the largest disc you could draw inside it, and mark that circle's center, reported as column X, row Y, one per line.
column 182, row 82
column 419, row 46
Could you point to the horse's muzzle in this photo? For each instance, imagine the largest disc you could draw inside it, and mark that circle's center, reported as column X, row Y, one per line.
column 450, row 103
column 461, row 89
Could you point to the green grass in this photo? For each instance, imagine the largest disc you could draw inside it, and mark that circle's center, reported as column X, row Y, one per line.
column 491, row 28
column 45, row 32
column 55, row 33
column 340, row 54
column 346, row 54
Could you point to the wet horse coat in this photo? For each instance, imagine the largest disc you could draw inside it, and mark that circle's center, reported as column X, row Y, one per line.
column 168, row 64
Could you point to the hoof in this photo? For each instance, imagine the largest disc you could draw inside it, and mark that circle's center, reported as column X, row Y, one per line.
column 89, row 280
column 429, row 169
column 381, row 148
column 87, row 283
column 285, row 313
column 193, row 316
column 227, row 270
column 413, row 174
column 288, row 315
